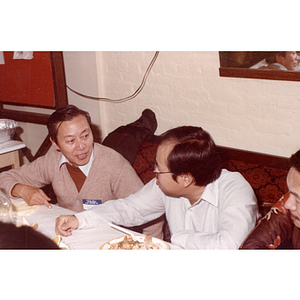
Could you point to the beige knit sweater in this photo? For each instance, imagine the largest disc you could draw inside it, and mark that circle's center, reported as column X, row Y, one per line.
column 111, row 177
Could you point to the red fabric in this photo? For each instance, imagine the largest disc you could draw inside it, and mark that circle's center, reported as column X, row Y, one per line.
column 269, row 184
column 145, row 160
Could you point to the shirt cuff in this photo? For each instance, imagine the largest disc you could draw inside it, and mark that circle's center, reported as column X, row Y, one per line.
column 89, row 219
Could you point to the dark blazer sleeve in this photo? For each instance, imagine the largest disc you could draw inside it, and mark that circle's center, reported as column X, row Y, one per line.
column 275, row 230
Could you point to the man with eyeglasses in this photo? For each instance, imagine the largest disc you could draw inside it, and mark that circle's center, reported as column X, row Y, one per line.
column 206, row 207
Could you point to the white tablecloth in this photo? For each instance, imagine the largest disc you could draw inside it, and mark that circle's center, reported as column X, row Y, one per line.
column 89, row 239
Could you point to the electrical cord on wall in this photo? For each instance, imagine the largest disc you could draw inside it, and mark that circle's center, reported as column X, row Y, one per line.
column 126, row 98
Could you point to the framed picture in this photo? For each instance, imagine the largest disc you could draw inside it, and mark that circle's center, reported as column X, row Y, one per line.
column 34, row 79
column 252, row 64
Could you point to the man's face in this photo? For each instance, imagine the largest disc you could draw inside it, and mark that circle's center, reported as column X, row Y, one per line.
column 290, row 61
column 165, row 181
column 75, row 140
column 293, row 202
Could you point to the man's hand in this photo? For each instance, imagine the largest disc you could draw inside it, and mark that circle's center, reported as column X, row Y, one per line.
column 31, row 195
column 65, row 225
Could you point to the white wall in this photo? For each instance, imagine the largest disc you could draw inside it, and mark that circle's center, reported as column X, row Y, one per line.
column 83, row 75
column 184, row 88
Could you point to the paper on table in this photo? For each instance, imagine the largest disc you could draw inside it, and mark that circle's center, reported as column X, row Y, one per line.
column 21, row 208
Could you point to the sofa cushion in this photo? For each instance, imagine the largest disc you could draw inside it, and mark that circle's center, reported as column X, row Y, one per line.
column 145, row 160
column 269, row 184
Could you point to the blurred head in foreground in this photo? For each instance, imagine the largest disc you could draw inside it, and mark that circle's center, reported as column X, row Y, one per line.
column 24, row 237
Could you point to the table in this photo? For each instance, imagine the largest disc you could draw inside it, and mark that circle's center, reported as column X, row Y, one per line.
column 9, row 153
column 82, row 239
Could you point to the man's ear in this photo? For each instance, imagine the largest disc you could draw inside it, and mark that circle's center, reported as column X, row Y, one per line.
column 54, row 145
column 186, row 179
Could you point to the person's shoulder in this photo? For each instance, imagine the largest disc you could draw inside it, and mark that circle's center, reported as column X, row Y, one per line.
column 272, row 67
column 52, row 155
column 101, row 149
column 231, row 176
column 226, row 173
column 108, row 153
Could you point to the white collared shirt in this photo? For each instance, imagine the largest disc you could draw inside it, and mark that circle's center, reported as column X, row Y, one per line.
column 221, row 219
column 85, row 168
column 280, row 65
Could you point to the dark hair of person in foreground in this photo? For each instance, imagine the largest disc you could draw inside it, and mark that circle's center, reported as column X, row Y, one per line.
column 24, row 237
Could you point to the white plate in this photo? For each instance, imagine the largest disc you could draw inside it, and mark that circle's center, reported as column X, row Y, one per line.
column 140, row 238
column 64, row 246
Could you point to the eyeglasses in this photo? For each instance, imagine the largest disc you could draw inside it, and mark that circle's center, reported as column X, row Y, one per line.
column 156, row 173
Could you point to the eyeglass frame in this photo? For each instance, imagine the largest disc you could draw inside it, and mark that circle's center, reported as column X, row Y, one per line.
column 156, row 173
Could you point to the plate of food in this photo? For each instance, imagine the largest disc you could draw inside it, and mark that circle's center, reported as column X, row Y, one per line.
column 137, row 242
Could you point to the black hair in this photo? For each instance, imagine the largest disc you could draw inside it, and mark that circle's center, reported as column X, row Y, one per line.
column 194, row 153
column 295, row 160
column 271, row 57
column 65, row 113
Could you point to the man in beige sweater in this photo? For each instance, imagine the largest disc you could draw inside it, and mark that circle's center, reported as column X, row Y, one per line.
column 81, row 172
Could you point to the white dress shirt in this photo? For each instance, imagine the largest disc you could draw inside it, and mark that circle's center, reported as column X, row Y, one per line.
column 221, row 219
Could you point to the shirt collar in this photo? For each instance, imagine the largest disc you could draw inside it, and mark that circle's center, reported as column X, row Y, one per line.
column 210, row 193
column 280, row 65
column 85, row 168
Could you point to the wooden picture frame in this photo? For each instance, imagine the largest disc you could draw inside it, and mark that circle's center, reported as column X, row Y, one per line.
column 231, row 67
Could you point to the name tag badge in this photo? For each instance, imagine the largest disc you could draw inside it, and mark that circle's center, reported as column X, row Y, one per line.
column 89, row 203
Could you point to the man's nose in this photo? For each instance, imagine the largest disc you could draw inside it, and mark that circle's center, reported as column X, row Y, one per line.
column 80, row 144
column 290, row 203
